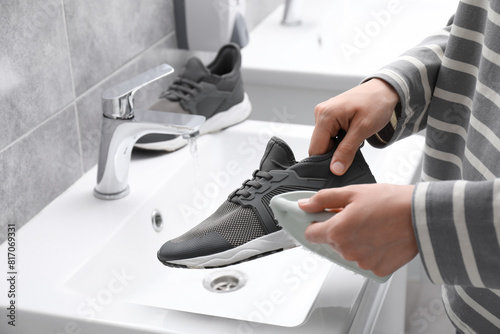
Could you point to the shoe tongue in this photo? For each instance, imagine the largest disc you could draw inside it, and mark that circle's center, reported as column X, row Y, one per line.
column 195, row 70
column 278, row 156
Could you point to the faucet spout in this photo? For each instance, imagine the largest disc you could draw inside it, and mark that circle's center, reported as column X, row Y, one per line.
column 292, row 13
column 123, row 127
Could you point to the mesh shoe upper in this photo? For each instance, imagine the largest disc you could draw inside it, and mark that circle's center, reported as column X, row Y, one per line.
column 204, row 90
column 246, row 214
column 200, row 91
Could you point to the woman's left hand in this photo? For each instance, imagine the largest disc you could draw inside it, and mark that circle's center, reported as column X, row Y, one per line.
column 373, row 225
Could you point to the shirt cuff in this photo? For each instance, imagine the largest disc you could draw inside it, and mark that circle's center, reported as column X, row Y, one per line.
column 383, row 137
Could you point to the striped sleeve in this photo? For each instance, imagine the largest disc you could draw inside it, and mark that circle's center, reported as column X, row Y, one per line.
column 450, row 85
column 457, row 224
column 413, row 75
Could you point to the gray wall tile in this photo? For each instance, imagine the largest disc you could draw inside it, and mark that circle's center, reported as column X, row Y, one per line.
column 38, row 168
column 35, row 78
column 104, row 35
column 51, row 49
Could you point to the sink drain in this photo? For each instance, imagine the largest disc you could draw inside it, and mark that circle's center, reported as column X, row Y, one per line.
column 156, row 220
column 224, row 281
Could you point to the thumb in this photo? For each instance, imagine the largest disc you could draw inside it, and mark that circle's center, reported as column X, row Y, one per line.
column 345, row 152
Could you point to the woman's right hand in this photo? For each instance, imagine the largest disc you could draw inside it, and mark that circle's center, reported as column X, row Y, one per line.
column 361, row 111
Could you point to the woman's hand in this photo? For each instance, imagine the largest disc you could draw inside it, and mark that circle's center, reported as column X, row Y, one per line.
column 373, row 225
column 361, row 111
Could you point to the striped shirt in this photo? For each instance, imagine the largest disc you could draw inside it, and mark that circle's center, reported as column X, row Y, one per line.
column 450, row 85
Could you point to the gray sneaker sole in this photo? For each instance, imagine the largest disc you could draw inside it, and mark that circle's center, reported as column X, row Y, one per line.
column 224, row 119
column 262, row 246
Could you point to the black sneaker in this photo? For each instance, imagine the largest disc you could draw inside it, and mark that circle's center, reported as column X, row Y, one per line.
column 243, row 227
column 214, row 91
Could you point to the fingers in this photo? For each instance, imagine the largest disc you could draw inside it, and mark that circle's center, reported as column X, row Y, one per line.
column 360, row 111
column 321, row 141
column 332, row 198
column 374, row 228
column 318, row 233
column 333, row 231
column 345, row 152
column 328, row 123
column 325, row 129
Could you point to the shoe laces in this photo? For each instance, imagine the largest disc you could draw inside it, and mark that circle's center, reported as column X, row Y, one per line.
column 181, row 89
column 244, row 190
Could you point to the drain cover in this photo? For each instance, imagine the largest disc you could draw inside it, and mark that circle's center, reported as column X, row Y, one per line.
column 224, row 281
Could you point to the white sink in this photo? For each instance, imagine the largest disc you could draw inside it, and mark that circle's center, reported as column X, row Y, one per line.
column 338, row 44
column 90, row 264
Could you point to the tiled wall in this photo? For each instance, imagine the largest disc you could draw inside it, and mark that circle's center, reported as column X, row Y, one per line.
column 57, row 57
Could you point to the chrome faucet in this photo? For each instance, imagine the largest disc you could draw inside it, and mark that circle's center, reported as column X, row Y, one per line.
column 123, row 125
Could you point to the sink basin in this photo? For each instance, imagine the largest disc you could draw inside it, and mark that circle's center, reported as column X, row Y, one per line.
column 337, row 45
column 89, row 264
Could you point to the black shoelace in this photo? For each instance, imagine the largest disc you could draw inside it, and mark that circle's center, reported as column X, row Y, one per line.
column 243, row 191
column 181, row 89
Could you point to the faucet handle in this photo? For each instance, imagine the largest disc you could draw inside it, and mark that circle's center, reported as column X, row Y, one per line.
column 118, row 100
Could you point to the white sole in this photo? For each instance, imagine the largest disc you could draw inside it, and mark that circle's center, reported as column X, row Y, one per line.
column 266, row 244
column 234, row 115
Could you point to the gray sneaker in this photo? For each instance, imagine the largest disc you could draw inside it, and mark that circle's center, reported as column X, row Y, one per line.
column 214, row 91
column 243, row 227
